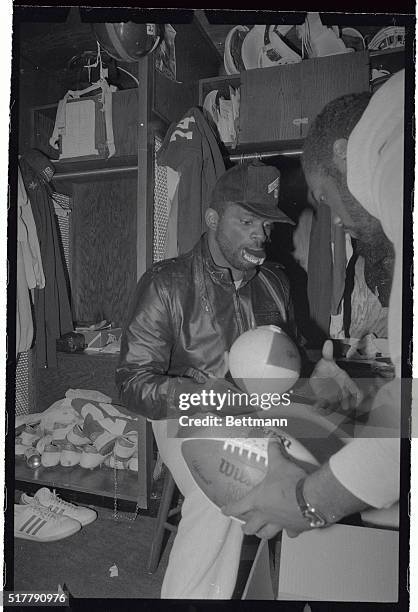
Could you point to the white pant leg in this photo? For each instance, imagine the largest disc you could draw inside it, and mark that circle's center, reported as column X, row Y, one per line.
column 204, row 559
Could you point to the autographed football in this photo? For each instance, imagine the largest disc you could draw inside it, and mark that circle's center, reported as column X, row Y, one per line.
column 226, row 469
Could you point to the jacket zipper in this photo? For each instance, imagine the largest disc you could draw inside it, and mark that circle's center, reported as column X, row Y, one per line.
column 237, row 304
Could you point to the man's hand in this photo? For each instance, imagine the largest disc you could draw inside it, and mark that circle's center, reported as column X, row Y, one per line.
column 271, row 506
column 334, row 389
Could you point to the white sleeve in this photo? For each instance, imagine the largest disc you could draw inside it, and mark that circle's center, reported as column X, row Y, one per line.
column 369, row 466
column 369, row 469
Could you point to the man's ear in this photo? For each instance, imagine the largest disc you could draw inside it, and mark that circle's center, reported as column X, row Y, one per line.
column 211, row 218
column 339, row 154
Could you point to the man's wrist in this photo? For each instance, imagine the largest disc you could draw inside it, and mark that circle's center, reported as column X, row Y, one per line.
column 325, row 492
column 314, row 517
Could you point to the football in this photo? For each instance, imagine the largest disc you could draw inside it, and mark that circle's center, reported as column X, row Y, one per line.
column 226, row 469
column 264, row 359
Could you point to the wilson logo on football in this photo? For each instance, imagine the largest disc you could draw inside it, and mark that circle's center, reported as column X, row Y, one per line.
column 231, row 470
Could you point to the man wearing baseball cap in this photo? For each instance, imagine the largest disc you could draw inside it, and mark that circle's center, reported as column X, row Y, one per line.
column 185, row 316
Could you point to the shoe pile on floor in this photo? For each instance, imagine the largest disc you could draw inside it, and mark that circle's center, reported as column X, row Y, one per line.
column 88, row 445
column 46, row 517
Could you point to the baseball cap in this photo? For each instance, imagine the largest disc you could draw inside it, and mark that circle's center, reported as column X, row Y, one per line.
column 253, row 186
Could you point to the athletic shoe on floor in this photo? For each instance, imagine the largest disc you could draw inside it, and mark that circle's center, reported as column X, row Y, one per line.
column 103, row 440
column 76, row 436
column 51, row 501
column 30, row 435
column 90, row 457
column 35, row 522
column 51, row 456
column 124, row 448
column 70, row 455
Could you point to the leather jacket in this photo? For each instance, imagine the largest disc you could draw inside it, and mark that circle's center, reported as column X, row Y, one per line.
column 186, row 312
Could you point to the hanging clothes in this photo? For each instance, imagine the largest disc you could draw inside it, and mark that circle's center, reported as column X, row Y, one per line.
column 339, row 264
column 301, row 238
column 52, row 305
column 30, row 272
column 171, row 240
column 191, row 149
column 319, row 286
column 327, row 263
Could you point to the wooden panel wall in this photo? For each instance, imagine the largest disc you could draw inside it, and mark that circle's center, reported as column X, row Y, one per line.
column 76, row 371
column 124, row 114
column 272, row 99
column 270, row 102
column 327, row 78
column 103, row 228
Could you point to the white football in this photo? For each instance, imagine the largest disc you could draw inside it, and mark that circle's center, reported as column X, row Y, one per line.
column 264, row 359
column 226, row 469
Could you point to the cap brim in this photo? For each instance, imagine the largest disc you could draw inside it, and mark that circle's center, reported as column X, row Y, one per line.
column 265, row 211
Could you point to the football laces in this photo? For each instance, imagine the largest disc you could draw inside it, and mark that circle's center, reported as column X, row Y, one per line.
column 252, row 447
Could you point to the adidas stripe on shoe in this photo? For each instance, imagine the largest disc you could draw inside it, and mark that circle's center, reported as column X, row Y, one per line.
column 34, row 522
column 51, row 501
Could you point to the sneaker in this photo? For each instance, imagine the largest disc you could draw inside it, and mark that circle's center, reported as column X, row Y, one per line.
column 90, row 457
column 43, row 442
column 34, row 522
column 115, row 463
column 30, row 435
column 20, row 448
column 51, row 455
column 59, row 434
column 133, row 436
column 70, row 455
column 124, row 448
column 133, row 464
column 76, row 436
column 103, row 440
column 51, row 501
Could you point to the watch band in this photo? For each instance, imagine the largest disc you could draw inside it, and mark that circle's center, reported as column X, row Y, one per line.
column 315, row 518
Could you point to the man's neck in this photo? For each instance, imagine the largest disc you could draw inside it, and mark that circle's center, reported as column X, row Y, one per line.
column 219, row 260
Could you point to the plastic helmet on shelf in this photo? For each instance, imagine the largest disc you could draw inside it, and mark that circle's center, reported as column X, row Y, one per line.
column 388, row 38
column 128, row 42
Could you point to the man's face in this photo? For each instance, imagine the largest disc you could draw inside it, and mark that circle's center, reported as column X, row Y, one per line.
column 241, row 236
column 345, row 210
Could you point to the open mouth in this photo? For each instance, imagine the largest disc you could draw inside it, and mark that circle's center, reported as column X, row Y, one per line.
column 254, row 256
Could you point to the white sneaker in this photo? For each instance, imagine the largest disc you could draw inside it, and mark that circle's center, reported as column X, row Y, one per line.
column 133, row 464
column 59, row 434
column 43, row 442
column 30, row 435
column 90, row 457
column 76, row 436
column 51, row 456
column 70, row 455
column 34, row 522
column 117, row 464
column 124, row 448
column 51, row 501
column 100, row 438
column 20, row 448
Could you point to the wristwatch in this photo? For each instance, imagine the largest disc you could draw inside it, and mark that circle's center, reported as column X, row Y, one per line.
column 313, row 516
